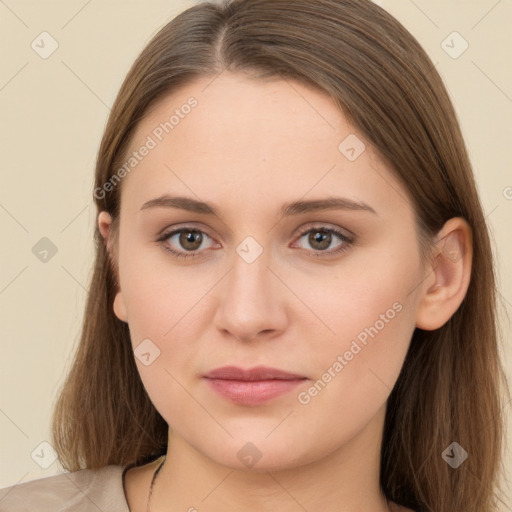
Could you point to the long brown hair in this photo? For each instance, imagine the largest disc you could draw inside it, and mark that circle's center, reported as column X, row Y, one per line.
column 450, row 385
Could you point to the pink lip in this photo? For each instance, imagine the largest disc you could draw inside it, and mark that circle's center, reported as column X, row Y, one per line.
column 254, row 386
column 256, row 373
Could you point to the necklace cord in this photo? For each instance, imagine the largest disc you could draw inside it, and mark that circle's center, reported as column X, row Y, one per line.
column 152, row 483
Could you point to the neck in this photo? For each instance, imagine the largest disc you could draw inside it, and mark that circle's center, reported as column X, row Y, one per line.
column 345, row 479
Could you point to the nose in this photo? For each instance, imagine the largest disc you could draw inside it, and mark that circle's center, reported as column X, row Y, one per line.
column 252, row 301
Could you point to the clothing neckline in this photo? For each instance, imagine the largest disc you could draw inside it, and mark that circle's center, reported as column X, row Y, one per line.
column 123, row 486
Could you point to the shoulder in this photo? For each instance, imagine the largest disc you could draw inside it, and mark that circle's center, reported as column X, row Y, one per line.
column 84, row 490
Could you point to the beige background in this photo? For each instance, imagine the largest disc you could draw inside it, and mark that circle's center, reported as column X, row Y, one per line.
column 53, row 112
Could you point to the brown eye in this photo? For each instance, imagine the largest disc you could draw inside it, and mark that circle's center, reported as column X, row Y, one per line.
column 320, row 239
column 184, row 242
column 190, row 240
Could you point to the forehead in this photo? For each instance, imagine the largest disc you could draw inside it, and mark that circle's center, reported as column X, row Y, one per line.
column 239, row 113
column 245, row 140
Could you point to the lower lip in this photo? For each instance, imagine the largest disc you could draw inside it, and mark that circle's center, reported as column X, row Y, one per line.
column 252, row 392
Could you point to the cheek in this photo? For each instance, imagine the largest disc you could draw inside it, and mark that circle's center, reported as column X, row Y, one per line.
column 367, row 314
column 171, row 319
column 166, row 316
column 356, row 378
column 356, row 371
column 156, row 293
column 368, row 295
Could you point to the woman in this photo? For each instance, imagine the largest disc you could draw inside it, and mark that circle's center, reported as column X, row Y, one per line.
column 293, row 302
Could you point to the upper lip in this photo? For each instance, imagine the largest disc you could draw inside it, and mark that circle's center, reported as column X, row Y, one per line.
column 251, row 374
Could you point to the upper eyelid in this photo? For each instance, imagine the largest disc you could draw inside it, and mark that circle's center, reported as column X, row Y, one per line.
column 327, row 226
column 301, row 230
column 173, row 230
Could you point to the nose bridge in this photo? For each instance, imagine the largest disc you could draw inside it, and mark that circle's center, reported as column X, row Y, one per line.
column 249, row 274
column 250, row 269
column 249, row 281
column 250, row 301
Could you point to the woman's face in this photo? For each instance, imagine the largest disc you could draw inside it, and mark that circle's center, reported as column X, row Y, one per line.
column 263, row 281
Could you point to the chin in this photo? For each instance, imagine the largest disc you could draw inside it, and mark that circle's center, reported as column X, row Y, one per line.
column 263, row 456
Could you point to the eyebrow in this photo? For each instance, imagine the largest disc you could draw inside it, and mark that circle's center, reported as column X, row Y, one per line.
column 288, row 209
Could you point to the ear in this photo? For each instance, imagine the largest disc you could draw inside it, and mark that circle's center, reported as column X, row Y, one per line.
column 104, row 225
column 448, row 275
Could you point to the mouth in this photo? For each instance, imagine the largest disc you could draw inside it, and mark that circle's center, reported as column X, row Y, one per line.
column 254, row 386
column 253, row 374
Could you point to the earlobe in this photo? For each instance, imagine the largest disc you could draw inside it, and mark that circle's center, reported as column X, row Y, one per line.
column 448, row 275
column 104, row 225
column 120, row 307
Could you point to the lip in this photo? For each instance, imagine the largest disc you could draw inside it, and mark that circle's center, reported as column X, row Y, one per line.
column 252, row 374
column 253, row 386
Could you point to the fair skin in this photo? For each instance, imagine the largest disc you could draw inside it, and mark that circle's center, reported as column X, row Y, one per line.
column 248, row 148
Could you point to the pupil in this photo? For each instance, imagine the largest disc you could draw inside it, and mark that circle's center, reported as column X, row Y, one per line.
column 319, row 237
column 189, row 239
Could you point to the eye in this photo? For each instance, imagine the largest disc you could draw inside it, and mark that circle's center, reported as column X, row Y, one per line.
column 187, row 238
column 189, row 242
column 321, row 237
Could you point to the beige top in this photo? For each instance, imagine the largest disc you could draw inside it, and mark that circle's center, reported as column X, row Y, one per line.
column 85, row 491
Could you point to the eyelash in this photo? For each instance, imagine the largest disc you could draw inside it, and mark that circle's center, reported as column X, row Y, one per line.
column 347, row 241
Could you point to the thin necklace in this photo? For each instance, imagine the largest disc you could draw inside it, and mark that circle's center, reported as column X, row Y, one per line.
column 153, row 481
